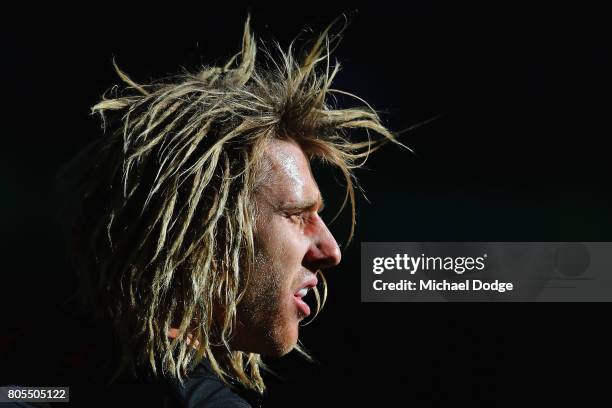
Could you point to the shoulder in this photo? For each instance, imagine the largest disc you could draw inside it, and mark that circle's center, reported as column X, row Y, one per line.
column 204, row 389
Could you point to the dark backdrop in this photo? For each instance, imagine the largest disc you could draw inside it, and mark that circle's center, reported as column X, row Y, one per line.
column 518, row 152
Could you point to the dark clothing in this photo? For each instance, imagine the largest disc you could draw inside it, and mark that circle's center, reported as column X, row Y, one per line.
column 204, row 389
column 86, row 360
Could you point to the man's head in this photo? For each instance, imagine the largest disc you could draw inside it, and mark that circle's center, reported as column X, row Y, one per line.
column 292, row 243
column 198, row 213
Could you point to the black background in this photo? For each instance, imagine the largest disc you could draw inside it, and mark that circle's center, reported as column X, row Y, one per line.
column 519, row 152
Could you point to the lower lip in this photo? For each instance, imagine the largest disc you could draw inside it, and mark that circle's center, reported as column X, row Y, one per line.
column 302, row 306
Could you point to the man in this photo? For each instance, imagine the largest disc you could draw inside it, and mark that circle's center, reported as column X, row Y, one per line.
column 194, row 225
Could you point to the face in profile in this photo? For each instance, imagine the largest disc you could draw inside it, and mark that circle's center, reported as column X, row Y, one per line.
column 292, row 242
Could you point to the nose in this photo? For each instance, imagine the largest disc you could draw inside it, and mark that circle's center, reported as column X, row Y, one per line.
column 323, row 251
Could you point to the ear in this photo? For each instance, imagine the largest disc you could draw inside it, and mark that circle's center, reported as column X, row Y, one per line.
column 173, row 333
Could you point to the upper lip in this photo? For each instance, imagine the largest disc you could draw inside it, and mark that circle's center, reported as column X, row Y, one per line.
column 309, row 282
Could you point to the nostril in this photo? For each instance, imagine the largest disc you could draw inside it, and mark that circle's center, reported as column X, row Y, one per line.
column 322, row 255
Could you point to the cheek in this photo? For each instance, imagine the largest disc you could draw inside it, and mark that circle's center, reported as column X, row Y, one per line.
column 279, row 255
column 269, row 301
column 282, row 240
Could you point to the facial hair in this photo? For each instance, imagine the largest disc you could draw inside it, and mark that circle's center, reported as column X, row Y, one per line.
column 263, row 311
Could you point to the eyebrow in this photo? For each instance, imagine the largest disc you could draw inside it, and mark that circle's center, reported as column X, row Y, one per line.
column 304, row 205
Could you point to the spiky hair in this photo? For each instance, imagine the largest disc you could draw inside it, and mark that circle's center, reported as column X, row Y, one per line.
column 160, row 209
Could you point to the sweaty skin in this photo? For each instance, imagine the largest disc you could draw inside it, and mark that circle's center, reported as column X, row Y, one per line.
column 292, row 243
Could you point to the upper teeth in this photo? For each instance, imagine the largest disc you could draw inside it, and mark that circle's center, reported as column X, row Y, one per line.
column 302, row 292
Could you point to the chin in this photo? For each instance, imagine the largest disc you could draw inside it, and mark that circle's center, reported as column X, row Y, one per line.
column 279, row 351
column 284, row 343
column 274, row 337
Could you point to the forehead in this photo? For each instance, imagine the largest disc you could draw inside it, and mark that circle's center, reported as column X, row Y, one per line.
column 289, row 178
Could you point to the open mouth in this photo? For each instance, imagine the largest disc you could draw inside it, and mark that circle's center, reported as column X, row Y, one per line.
column 298, row 296
column 302, row 306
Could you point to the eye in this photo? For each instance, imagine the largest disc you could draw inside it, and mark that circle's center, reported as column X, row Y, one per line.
column 296, row 217
column 299, row 217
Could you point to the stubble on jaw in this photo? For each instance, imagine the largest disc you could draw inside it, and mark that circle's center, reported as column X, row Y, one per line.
column 262, row 312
